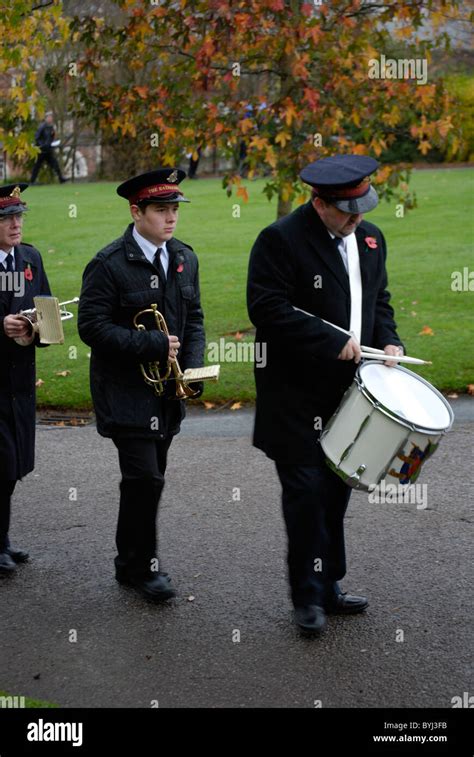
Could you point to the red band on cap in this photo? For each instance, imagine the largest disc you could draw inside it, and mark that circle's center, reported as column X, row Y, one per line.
column 5, row 202
column 158, row 190
column 346, row 193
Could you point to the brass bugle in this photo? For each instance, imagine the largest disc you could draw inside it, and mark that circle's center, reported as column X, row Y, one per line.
column 45, row 319
column 151, row 371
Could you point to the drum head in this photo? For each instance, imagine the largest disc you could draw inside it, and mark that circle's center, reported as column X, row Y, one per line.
column 406, row 395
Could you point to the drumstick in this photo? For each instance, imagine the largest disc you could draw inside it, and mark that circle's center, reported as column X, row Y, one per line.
column 399, row 358
column 372, row 353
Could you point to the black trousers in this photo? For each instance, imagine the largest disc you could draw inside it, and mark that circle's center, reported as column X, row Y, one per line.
column 143, row 465
column 49, row 157
column 314, row 504
column 6, row 490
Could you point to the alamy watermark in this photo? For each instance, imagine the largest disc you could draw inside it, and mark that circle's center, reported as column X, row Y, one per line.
column 399, row 68
column 237, row 352
column 393, row 494
column 13, row 281
column 12, row 702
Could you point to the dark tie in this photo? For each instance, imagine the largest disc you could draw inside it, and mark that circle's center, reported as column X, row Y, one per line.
column 341, row 245
column 158, row 264
column 8, row 262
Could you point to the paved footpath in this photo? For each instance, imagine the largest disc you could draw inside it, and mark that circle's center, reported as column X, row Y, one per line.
column 227, row 561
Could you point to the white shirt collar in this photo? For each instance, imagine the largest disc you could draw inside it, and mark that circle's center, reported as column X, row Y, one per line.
column 3, row 256
column 149, row 248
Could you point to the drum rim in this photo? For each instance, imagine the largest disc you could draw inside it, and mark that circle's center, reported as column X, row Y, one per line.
column 404, row 421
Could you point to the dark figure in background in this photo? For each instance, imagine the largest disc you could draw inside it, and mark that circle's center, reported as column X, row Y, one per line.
column 194, row 162
column 21, row 270
column 146, row 265
column 44, row 138
column 324, row 259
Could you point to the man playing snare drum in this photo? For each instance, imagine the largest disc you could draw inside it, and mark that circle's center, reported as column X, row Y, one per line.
column 326, row 260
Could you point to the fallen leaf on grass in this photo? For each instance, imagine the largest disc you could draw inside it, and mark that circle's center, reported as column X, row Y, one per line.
column 236, row 406
column 453, row 396
column 470, row 389
column 209, row 405
column 63, row 373
column 40, row 382
column 426, row 331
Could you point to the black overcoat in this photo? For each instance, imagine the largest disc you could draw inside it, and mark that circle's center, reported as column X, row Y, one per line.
column 294, row 262
column 17, row 373
column 118, row 283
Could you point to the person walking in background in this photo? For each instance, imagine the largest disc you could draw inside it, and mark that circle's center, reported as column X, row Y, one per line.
column 44, row 139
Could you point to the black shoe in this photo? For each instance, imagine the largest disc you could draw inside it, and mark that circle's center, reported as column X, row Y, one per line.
column 155, row 587
column 346, row 604
column 18, row 555
column 7, row 565
column 311, row 619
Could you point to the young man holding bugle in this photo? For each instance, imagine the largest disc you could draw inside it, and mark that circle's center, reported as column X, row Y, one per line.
column 144, row 267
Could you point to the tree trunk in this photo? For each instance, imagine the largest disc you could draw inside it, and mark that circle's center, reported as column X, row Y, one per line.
column 284, row 206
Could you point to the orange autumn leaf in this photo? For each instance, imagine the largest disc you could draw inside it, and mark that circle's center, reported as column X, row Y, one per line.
column 209, row 405
column 242, row 192
column 426, row 331
column 238, row 335
column 236, row 406
column 470, row 389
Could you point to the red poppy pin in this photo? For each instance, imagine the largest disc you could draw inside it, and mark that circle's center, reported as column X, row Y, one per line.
column 180, row 268
column 371, row 242
column 28, row 273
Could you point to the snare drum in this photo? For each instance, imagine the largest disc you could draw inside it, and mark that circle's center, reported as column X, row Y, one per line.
column 389, row 422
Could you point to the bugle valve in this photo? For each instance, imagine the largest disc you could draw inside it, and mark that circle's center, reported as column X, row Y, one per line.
column 156, row 375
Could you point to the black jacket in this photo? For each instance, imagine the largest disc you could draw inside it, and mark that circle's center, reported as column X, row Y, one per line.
column 44, row 136
column 117, row 284
column 303, row 381
column 17, row 374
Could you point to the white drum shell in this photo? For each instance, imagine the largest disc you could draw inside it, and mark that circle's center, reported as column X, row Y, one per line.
column 363, row 444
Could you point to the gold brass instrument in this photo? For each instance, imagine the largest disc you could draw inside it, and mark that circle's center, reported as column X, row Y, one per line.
column 46, row 319
column 151, row 372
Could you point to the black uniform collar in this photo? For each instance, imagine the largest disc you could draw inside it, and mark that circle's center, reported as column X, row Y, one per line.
column 320, row 240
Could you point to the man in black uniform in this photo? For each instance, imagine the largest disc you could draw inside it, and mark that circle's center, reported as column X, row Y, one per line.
column 22, row 277
column 325, row 260
column 44, row 138
column 147, row 265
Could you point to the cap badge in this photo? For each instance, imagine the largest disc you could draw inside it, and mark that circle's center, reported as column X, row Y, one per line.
column 173, row 176
column 16, row 192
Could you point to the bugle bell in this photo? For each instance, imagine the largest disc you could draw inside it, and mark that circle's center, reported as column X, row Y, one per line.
column 151, row 371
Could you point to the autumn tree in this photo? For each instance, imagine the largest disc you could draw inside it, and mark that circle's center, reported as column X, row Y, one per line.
column 28, row 31
column 168, row 75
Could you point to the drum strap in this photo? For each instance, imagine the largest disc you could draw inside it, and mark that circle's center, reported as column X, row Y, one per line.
column 350, row 252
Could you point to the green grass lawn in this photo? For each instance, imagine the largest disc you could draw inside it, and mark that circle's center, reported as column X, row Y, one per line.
column 425, row 248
